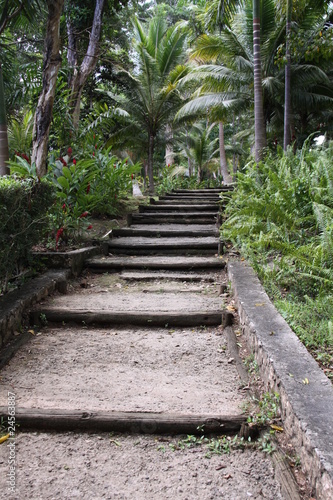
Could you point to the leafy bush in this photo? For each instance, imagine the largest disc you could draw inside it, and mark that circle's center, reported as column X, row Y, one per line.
column 282, row 215
column 281, row 218
column 24, row 204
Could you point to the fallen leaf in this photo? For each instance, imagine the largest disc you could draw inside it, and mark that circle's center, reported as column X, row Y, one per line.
column 227, row 476
column 231, row 308
column 4, row 438
column 277, row 428
column 260, row 304
column 222, row 466
column 32, row 332
column 305, row 381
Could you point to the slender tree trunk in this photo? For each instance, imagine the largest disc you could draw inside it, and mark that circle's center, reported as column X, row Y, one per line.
column 259, row 123
column 81, row 74
column 51, row 65
column 223, row 159
column 287, row 88
column 151, row 147
column 71, row 49
column 169, row 155
column 4, row 150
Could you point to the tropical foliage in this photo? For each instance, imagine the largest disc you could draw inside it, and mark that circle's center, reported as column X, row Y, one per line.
column 178, row 83
column 281, row 218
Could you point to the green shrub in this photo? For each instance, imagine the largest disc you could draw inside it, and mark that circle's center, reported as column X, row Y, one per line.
column 281, row 218
column 24, row 204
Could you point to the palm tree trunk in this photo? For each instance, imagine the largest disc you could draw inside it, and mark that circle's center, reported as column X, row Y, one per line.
column 287, row 88
column 223, row 159
column 80, row 75
column 51, row 65
column 4, row 151
column 169, row 155
column 151, row 146
column 259, row 123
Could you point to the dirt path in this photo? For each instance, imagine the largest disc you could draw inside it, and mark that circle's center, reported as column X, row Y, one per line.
column 170, row 371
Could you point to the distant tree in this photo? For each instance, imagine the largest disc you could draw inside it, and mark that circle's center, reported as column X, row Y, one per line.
column 81, row 71
column 51, row 65
column 151, row 96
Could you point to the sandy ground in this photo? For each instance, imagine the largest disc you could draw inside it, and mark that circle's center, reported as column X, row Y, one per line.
column 100, row 466
column 183, row 370
column 186, row 370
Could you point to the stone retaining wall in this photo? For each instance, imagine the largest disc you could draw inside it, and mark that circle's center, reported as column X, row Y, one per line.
column 286, row 366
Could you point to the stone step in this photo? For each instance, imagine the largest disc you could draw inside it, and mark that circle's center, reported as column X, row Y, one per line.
column 176, row 207
column 168, row 275
column 188, row 196
column 185, row 201
column 149, row 245
column 170, row 218
column 136, row 308
column 166, row 231
column 202, row 191
column 188, row 263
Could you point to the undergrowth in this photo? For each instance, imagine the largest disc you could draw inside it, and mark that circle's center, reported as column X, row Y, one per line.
column 281, row 219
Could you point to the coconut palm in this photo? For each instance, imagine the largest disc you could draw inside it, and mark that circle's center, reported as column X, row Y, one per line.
column 200, row 146
column 151, row 96
column 227, row 83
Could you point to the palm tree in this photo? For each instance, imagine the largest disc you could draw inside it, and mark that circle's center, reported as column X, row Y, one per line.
column 201, row 147
column 287, row 89
column 4, row 151
column 151, row 97
column 227, row 83
column 259, row 124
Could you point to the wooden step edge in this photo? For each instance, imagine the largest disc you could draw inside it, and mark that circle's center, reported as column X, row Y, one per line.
column 138, row 318
column 130, row 422
column 127, row 263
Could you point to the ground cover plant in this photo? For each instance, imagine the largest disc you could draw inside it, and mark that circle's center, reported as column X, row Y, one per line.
column 281, row 218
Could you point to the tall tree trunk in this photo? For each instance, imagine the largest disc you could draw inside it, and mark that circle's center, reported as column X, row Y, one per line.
column 4, row 151
column 81, row 74
column 151, row 146
column 259, row 123
column 51, row 65
column 287, row 88
column 71, row 49
column 223, row 159
column 169, row 155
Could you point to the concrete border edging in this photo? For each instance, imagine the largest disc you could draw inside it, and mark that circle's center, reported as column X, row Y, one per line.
column 286, row 366
column 14, row 304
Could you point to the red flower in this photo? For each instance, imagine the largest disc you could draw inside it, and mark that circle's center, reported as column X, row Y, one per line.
column 88, row 187
column 74, row 161
column 168, row 164
column 94, row 153
column 126, row 162
column 84, row 214
column 64, row 206
column 114, row 166
column 94, row 136
column 132, row 176
column 63, row 161
column 58, row 235
column 89, row 227
column 95, row 146
column 69, row 151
